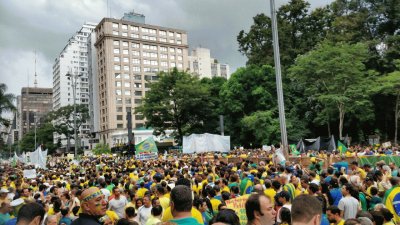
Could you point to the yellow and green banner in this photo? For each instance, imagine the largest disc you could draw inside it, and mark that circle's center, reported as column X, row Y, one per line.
column 146, row 149
column 341, row 147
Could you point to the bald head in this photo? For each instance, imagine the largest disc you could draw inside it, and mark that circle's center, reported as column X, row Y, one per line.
column 90, row 193
column 93, row 202
column 258, row 188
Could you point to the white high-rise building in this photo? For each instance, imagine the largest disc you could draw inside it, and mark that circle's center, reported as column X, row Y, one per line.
column 201, row 64
column 73, row 59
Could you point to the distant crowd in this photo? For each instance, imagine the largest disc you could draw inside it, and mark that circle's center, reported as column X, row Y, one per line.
column 200, row 189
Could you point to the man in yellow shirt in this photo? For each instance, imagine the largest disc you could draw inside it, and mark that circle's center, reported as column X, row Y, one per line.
column 142, row 190
column 269, row 191
column 333, row 214
column 160, row 192
column 354, row 167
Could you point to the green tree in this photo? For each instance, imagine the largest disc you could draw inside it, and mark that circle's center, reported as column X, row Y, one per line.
column 44, row 136
column 390, row 85
column 101, row 148
column 6, row 104
column 336, row 77
column 178, row 101
column 63, row 120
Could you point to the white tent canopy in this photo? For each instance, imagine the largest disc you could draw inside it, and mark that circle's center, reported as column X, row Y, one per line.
column 199, row 143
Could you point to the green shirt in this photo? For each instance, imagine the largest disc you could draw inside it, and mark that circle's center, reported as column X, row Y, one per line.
column 186, row 221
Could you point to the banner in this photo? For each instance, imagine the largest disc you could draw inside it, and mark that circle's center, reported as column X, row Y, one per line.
column 372, row 160
column 146, row 149
column 387, row 144
column 293, row 149
column 30, row 174
column 238, row 204
column 199, row 143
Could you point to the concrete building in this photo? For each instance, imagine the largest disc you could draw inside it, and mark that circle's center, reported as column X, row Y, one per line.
column 32, row 105
column 129, row 56
column 201, row 64
column 73, row 59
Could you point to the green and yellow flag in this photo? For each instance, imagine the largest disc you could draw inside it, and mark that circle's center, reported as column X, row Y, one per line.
column 341, row 147
column 146, row 149
column 293, row 149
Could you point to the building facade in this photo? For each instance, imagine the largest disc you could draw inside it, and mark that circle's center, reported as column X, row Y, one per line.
column 202, row 65
column 73, row 60
column 32, row 105
column 129, row 56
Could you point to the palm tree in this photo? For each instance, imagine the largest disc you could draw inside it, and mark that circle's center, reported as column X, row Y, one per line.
column 6, row 104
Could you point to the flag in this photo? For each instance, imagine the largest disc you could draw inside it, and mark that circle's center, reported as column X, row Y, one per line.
column 146, row 149
column 293, row 149
column 341, row 147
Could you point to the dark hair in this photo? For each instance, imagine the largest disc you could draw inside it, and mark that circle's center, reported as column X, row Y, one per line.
column 314, row 187
column 64, row 211
column 75, row 210
column 235, row 189
column 305, row 207
column 130, row 212
column 378, row 217
column 221, row 205
column 334, row 182
column 387, row 215
column 285, row 215
column 183, row 181
column 334, row 209
column 124, row 221
column 156, row 210
column 352, row 222
column 181, row 196
column 227, row 216
column 253, row 205
column 29, row 211
column 374, row 190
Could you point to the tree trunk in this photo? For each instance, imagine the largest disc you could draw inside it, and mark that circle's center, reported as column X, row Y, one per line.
column 329, row 127
column 396, row 118
column 68, row 144
column 341, row 119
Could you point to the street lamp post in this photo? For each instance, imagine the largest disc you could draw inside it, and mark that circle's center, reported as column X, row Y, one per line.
column 73, row 84
column 281, row 106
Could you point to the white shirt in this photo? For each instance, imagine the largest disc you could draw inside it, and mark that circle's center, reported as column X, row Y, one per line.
column 106, row 193
column 118, row 206
column 144, row 214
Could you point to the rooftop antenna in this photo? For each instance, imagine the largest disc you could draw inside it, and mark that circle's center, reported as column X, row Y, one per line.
column 35, row 83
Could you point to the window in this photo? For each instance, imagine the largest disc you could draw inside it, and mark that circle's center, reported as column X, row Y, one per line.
column 172, row 64
column 164, row 56
column 145, row 37
column 163, row 40
column 126, row 76
column 178, row 35
column 145, row 30
column 138, row 101
column 126, row 68
column 133, row 28
column 127, row 92
column 136, row 61
column 118, row 92
column 116, row 50
column 146, row 62
column 119, row 117
column 171, row 34
column 134, row 35
column 163, row 49
column 127, row 84
column 152, row 31
column 115, row 32
column 124, row 27
column 179, row 42
column 146, row 46
column 117, row 75
column 179, row 51
column 135, row 53
column 116, row 43
column 126, row 60
column 128, row 101
column 135, row 45
column 119, row 100
column 125, row 51
column 147, row 69
column 119, row 125
column 164, row 64
column 171, row 41
column 116, row 59
column 163, row 33
column 172, row 57
column 172, row 50
column 138, row 93
column 117, row 67
column 153, row 63
column 180, row 65
column 139, row 117
column 125, row 44
column 180, row 58
column 136, row 69
column 115, row 25
column 138, row 85
column 124, row 34
column 138, row 77
column 118, row 83
column 119, row 109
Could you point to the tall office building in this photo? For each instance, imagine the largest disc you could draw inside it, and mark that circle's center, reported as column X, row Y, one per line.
column 73, row 59
column 32, row 105
column 129, row 56
column 201, row 64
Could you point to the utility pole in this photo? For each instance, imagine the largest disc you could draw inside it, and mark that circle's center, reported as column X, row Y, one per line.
column 73, row 83
column 281, row 105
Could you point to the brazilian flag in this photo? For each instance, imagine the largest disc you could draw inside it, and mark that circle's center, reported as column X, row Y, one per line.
column 146, row 146
column 341, row 147
column 293, row 149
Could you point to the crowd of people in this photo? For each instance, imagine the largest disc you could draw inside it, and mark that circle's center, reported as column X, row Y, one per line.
column 197, row 189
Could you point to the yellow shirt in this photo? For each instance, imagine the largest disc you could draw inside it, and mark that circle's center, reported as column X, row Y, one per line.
column 164, row 202
column 167, row 215
column 112, row 215
column 362, row 172
column 141, row 192
column 197, row 188
column 215, row 203
column 341, row 222
column 270, row 193
column 226, row 188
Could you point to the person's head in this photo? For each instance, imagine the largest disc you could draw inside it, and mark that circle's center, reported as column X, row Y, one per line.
column 117, row 192
column 352, row 222
column 283, row 197
column 259, row 208
column 181, row 199
column 93, row 202
column 226, row 216
column 306, row 209
column 347, row 189
column 124, row 221
column 26, row 192
column 130, row 212
column 30, row 213
column 354, row 165
column 51, row 220
column 5, row 207
column 200, row 204
column 333, row 214
column 313, row 188
column 285, row 215
column 387, row 215
column 156, row 211
column 155, row 201
column 138, row 202
column 146, row 201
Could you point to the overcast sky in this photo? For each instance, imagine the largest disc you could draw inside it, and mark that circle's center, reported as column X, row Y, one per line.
column 46, row 25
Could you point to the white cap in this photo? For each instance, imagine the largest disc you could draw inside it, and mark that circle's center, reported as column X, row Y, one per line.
column 17, row 202
column 4, row 190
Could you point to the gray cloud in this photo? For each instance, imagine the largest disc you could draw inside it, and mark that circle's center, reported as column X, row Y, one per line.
column 46, row 26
